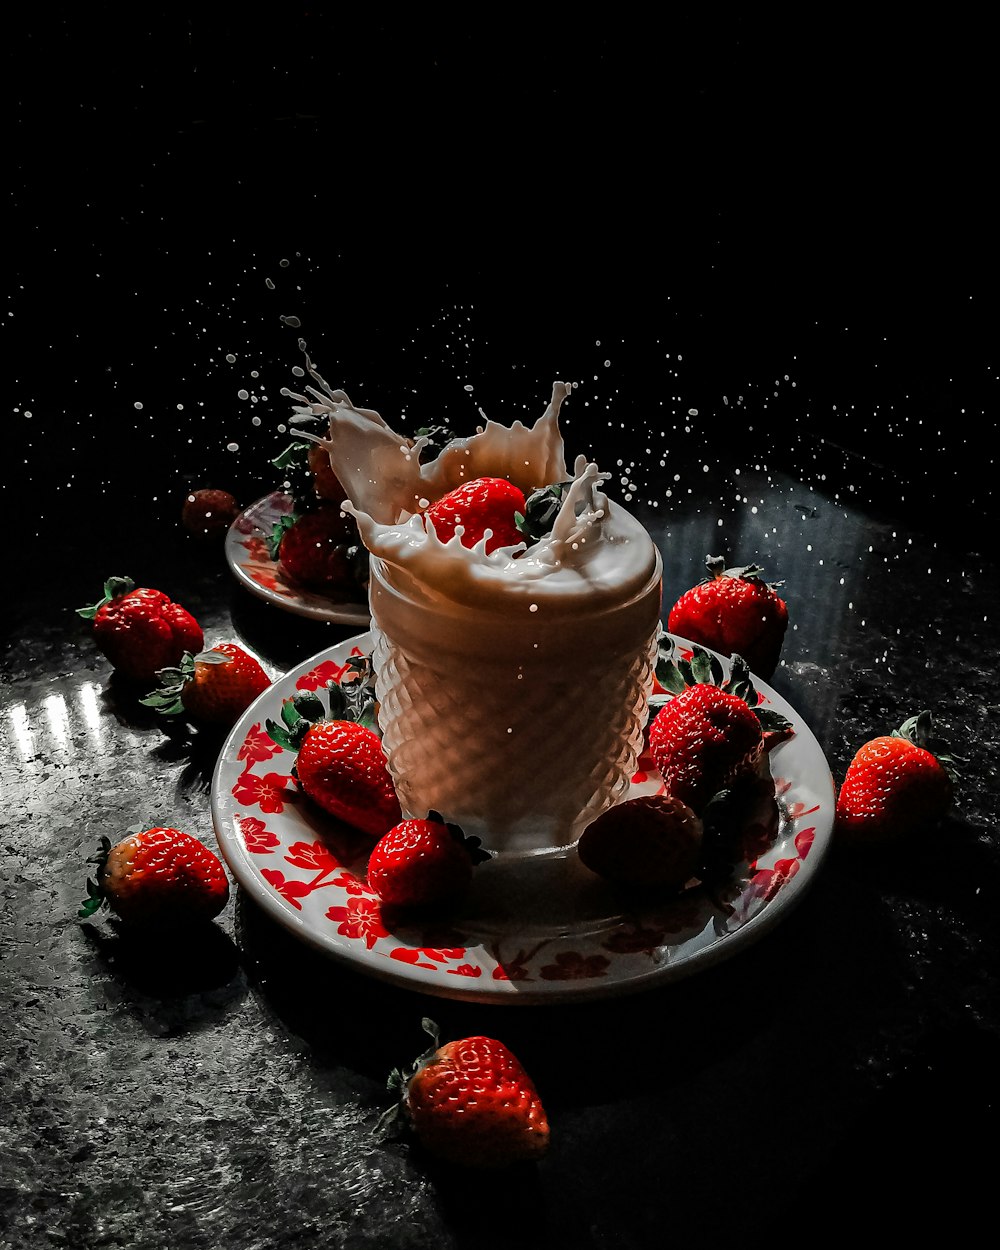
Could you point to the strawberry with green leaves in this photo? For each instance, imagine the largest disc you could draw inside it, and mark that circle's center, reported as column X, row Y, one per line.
column 214, row 687
column 485, row 503
column 140, row 630
column 711, row 732
column 320, row 549
column 896, row 785
column 340, row 764
column 157, row 878
column 423, row 864
column 470, row 1103
column 735, row 612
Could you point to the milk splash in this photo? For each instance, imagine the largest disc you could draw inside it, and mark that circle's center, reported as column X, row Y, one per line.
column 595, row 552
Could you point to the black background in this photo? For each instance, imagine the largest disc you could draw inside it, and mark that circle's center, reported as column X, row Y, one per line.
column 797, row 208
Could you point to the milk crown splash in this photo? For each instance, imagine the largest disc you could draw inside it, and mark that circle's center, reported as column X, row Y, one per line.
column 595, row 551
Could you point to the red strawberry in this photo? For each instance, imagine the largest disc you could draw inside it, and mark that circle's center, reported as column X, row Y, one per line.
column 734, row 611
column 423, row 863
column 341, row 766
column 711, row 733
column 325, row 482
column 214, row 687
column 650, row 843
column 486, row 503
column 895, row 785
column 156, row 878
column 206, row 512
column 471, row 1103
column 318, row 549
column 140, row 630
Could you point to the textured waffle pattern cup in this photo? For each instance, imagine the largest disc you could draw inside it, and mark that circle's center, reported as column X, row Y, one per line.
column 520, row 743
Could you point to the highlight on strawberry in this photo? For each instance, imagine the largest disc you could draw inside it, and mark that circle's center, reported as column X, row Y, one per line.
column 708, row 731
column 214, row 687
column 424, row 864
column 140, row 630
column 734, row 611
column 156, row 878
column 469, row 1103
column 897, row 785
column 485, row 506
column 340, row 764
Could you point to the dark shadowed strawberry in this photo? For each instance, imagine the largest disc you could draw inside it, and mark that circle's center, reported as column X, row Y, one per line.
column 423, row 863
column 214, row 687
column 652, row 843
column 208, row 511
column 712, row 731
column 157, row 878
column 734, row 611
column 896, row 785
column 319, row 549
column 471, row 1103
column 140, row 630
column 486, row 503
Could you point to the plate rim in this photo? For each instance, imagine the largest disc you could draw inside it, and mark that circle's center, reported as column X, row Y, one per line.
column 439, row 983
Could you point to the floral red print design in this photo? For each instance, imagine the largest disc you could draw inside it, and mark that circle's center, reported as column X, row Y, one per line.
column 465, row 970
column 257, row 838
column 766, row 882
column 270, row 793
column 360, row 919
column 515, row 969
column 635, row 940
column 291, row 891
column 422, row 956
column 573, row 966
column 352, row 884
column 311, row 855
column 326, row 672
column 257, row 747
column 804, row 840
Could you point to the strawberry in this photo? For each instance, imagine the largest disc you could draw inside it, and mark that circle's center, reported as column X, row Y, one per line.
column 214, row 687
column 341, row 766
column 652, row 843
column 319, row 549
column 712, row 732
column 155, row 878
column 470, row 1102
column 140, row 630
column 325, row 482
column 895, row 785
column 734, row 611
column 423, row 863
column 207, row 512
column 485, row 503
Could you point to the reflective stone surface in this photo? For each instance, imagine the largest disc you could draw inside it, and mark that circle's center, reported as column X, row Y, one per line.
column 783, row 337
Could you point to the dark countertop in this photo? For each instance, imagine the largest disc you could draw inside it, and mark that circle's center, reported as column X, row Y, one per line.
column 823, row 409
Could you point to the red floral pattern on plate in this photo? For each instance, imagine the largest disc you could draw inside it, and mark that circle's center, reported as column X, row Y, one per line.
column 321, row 879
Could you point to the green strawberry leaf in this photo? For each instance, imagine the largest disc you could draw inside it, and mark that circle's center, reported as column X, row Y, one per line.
column 113, row 587
column 280, row 735
column 294, row 456
column 281, row 528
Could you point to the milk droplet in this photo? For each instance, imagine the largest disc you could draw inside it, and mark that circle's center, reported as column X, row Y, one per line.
column 692, row 412
column 283, row 263
column 467, row 387
column 269, row 284
column 241, row 394
column 137, row 406
column 294, row 322
column 532, row 607
column 232, row 447
column 231, row 359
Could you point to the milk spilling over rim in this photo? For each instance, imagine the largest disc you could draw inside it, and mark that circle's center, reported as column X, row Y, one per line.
column 596, row 554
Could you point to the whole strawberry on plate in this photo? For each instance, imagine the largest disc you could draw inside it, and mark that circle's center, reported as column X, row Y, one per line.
column 157, row 878
column 470, row 1103
column 734, row 611
column 649, row 844
column 897, row 784
column 340, row 764
column 713, row 731
column 214, row 687
column 140, row 630
column 320, row 550
column 423, row 863
column 485, row 503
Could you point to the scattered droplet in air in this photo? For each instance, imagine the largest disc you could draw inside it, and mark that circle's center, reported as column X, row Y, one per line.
column 137, row 406
column 230, row 358
column 232, row 447
column 294, row 322
column 242, row 394
column 284, row 264
column 467, row 387
column 692, row 412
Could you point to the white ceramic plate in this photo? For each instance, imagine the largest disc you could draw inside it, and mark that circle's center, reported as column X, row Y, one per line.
column 247, row 554
column 533, row 930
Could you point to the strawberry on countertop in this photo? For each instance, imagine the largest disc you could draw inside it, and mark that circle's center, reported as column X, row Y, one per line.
column 423, row 863
column 470, row 1102
column 157, row 878
column 897, row 784
column 734, row 611
column 214, row 687
column 485, row 503
column 341, row 766
column 712, row 731
column 140, row 630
